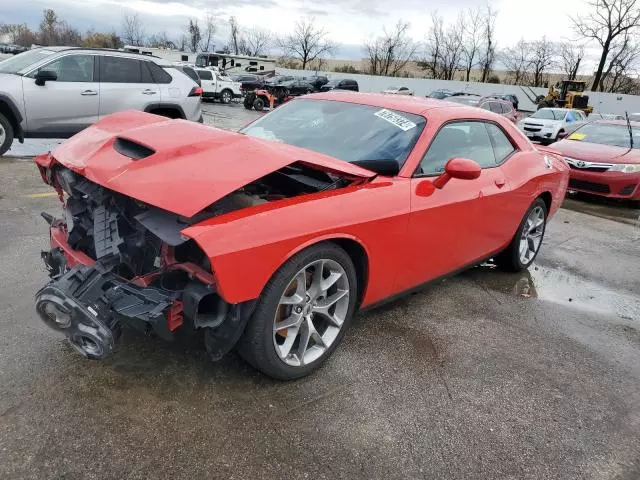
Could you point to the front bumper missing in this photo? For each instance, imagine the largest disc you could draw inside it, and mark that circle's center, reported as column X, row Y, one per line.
column 89, row 305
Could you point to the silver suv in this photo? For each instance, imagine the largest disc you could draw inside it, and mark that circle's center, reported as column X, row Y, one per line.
column 55, row 92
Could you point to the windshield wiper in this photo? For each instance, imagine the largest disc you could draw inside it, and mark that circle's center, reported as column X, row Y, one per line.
column 630, row 130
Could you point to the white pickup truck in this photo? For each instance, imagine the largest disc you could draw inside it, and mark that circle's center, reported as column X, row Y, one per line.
column 218, row 85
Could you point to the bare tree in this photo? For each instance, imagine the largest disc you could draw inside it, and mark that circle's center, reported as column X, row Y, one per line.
column 488, row 56
column 608, row 20
column 389, row 54
column 209, row 32
column 307, row 42
column 48, row 26
column 20, row 34
column 255, row 41
column 570, row 57
column 517, row 61
column 132, row 30
column 434, row 46
column 472, row 38
column 543, row 54
column 193, row 29
column 160, row 40
column 451, row 57
column 234, row 37
column 623, row 60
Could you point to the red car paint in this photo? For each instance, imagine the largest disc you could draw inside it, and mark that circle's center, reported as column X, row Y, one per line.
column 597, row 183
column 410, row 231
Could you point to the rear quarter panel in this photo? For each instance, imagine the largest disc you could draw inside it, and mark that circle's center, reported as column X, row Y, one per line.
column 247, row 246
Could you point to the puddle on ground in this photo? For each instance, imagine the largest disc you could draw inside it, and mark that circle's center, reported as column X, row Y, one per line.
column 560, row 287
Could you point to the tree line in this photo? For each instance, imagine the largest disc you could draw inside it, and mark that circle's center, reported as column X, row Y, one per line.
column 465, row 49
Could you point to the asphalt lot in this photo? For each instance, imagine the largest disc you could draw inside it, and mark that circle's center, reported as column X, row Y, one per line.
column 485, row 375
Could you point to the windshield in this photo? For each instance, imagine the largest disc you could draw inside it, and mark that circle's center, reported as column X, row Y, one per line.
column 23, row 60
column 549, row 114
column 464, row 100
column 606, row 134
column 333, row 82
column 347, row 131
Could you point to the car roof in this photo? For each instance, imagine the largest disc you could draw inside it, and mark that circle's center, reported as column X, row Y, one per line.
column 402, row 103
column 119, row 53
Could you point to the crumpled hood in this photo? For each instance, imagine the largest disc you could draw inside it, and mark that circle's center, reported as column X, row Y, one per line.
column 594, row 152
column 185, row 166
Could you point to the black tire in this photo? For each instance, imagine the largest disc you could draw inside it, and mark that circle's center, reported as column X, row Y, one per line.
column 258, row 104
column 509, row 259
column 7, row 129
column 257, row 344
column 226, row 96
column 248, row 101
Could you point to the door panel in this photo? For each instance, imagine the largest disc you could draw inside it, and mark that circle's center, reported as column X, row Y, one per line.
column 439, row 232
column 66, row 105
column 125, row 83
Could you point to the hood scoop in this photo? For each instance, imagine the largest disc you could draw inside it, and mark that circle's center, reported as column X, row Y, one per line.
column 131, row 149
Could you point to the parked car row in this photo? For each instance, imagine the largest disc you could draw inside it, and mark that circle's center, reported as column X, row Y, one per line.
column 285, row 85
column 13, row 49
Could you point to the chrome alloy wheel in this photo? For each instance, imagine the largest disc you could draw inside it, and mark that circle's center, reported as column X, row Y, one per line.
column 311, row 312
column 531, row 237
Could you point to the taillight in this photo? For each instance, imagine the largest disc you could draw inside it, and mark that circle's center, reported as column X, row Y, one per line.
column 196, row 92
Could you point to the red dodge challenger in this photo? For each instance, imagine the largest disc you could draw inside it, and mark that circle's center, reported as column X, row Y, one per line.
column 271, row 238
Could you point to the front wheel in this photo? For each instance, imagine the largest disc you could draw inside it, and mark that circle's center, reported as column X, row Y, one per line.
column 526, row 243
column 302, row 313
column 6, row 134
column 259, row 104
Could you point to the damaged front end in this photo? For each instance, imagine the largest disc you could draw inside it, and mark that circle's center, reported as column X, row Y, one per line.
column 115, row 261
column 118, row 262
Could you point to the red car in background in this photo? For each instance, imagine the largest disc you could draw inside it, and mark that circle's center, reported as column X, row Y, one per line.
column 270, row 239
column 604, row 157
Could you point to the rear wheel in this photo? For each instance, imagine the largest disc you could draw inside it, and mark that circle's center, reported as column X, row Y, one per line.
column 226, row 96
column 302, row 313
column 258, row 104
column 526, row 243
column 6, row 134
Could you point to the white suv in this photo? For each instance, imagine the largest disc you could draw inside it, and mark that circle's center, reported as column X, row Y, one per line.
column 218, row 85
column 54, row 92
column 547, row 124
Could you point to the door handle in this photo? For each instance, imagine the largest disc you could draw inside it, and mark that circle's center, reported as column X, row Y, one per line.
column 500, row 182
column 89, row 92
column 149, row 92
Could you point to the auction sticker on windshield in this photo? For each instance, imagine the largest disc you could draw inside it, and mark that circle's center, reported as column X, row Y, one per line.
column 394, row 119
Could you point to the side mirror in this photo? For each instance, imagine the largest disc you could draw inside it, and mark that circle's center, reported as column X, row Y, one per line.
column 44, row 76
column 460, row 168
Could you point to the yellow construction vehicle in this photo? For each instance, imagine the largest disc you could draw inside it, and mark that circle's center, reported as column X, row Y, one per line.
column 565, row 94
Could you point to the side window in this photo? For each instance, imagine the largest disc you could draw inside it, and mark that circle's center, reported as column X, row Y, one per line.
column 502, row 146
column 486, row 106
column 120, row 70
column 495, row 107
column 458, row 139
column 403, row 89
column 506, row 108
column 160, row 75
column 72, row 68
column 205, row 74
column 571, row 117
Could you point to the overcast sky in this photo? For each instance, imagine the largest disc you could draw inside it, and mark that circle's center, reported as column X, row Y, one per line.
column 349, row 22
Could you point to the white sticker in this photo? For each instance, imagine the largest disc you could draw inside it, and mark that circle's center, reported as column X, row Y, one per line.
column 394, row 119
